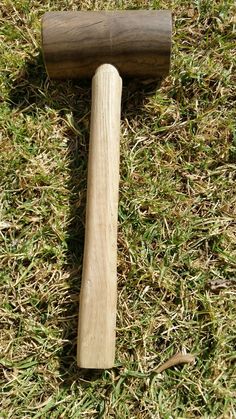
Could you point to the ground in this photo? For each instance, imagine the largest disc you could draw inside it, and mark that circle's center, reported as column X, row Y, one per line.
column 177, row 225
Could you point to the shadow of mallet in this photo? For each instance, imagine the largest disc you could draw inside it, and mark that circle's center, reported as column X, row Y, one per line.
column 101, row 45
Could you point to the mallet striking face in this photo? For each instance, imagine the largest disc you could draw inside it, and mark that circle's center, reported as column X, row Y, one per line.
column 103, row 45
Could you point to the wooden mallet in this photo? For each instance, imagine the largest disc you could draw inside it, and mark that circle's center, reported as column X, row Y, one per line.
column 102, row 45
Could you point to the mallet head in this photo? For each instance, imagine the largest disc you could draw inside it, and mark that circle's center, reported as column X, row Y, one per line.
column 136, row 42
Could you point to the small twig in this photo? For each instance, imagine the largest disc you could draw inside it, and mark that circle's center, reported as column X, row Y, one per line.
column 177, row 359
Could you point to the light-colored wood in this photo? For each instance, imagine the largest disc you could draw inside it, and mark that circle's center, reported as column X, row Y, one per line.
column 136, row 42
column 97, row 315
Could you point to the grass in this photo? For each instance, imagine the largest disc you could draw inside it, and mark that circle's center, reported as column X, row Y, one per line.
column 177, row 225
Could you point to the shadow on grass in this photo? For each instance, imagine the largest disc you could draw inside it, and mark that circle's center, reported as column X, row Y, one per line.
column 30, row 92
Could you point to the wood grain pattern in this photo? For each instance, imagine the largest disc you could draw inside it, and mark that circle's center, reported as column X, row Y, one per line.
column 97, row 316
column 136, row 42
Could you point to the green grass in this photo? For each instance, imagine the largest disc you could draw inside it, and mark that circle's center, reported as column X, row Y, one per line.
column 177, row 225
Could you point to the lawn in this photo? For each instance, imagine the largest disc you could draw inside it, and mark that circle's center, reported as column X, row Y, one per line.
column 176, row 235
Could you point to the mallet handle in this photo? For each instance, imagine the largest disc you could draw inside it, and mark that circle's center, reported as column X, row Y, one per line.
column 97, row 315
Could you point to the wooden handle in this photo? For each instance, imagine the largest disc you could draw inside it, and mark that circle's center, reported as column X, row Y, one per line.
column 97, row 315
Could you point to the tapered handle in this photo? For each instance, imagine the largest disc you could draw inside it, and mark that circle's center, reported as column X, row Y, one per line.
column 97, row 314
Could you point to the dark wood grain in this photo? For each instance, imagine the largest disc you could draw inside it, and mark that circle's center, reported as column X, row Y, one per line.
column 136, row 42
